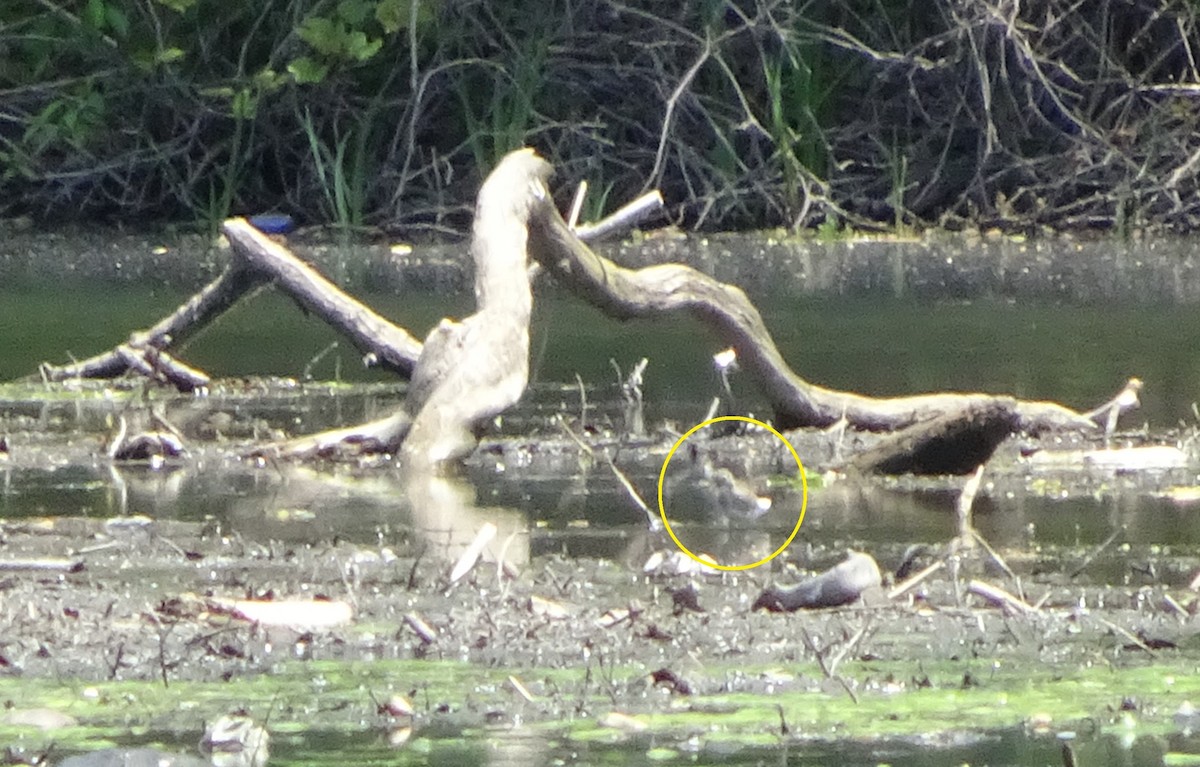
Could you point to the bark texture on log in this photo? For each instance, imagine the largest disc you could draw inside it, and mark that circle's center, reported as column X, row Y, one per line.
column 471, row 371
column 390, row 346
column 953, row 443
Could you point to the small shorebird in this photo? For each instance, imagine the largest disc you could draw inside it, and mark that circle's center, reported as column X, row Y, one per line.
column 715, row 492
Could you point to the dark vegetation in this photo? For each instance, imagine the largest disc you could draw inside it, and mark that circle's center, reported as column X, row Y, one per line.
column 746, row 113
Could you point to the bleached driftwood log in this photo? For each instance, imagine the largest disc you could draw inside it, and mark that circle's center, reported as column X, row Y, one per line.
column 467, row 372
column 656, row 290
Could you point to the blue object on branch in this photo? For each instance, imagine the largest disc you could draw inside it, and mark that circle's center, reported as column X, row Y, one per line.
column 273, row 223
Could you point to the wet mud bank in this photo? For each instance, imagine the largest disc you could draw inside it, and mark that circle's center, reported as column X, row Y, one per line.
column 315, row 596
column 585, row 647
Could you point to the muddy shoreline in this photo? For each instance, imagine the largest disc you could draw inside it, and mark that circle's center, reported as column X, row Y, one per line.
column 98, row 606
column 586, row 652
column 584, row 637
column 133, row 577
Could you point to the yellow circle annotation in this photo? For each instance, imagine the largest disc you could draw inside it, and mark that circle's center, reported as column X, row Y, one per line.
column 663, row 474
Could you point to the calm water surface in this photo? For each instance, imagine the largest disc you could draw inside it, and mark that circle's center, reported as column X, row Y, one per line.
column 1078, row 355
column 1075, row 353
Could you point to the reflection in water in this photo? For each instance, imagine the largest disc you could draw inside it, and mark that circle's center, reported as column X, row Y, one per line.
column 444, row 515
column 57, row 467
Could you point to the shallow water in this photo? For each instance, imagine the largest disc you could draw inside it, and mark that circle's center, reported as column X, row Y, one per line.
column 873, row 336
column 1076, row 354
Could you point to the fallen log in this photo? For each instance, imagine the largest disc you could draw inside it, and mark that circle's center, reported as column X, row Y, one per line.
column 158, row 365
column 655, row 290
column 469, row 371
column 952, row 443
column 381, row 342
column 214, row 299
column 256, row 260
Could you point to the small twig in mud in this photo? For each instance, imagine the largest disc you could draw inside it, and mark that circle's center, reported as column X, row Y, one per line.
column 163, row 631
column 520, row 688
column 825, row 669
column 97, row 548
column 116, row 664
column 652, row 519
column 999, row 560
column 426, row 633
column 560, row 585
column 577, row 204
column 839, row 428
column 902, row 588
column 581, row 704
column 503, row 567
column 1091, row 557
column 966, row 500
column 954, row 562
column 631, row 391
column 784, row 730
column 583, row 404
column 485, row 535
column 850, row 644
column 170, row 544
column 351, row 579
column 47, row 564
column 1170, row 603
column 586, row 448
column 411, row 581
column 608, row 675
column 1133, row 638
column 999, row 596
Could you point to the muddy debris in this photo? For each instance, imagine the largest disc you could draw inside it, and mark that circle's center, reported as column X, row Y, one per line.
column 161, row 604
column 840, row 585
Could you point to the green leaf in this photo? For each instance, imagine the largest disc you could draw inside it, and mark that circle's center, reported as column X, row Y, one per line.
column 118, row 22
column 323, row 35
column 244, row 104
column 93, row 14
column 305, row 70
column 392, row 15
column 268, row 80
column 167, row 55
column 360, row 47
column 177, row 5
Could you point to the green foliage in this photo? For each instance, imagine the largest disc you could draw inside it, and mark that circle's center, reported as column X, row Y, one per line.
column 744, row 114
column 208, row 108
column 341, row 171
column 336, row 39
